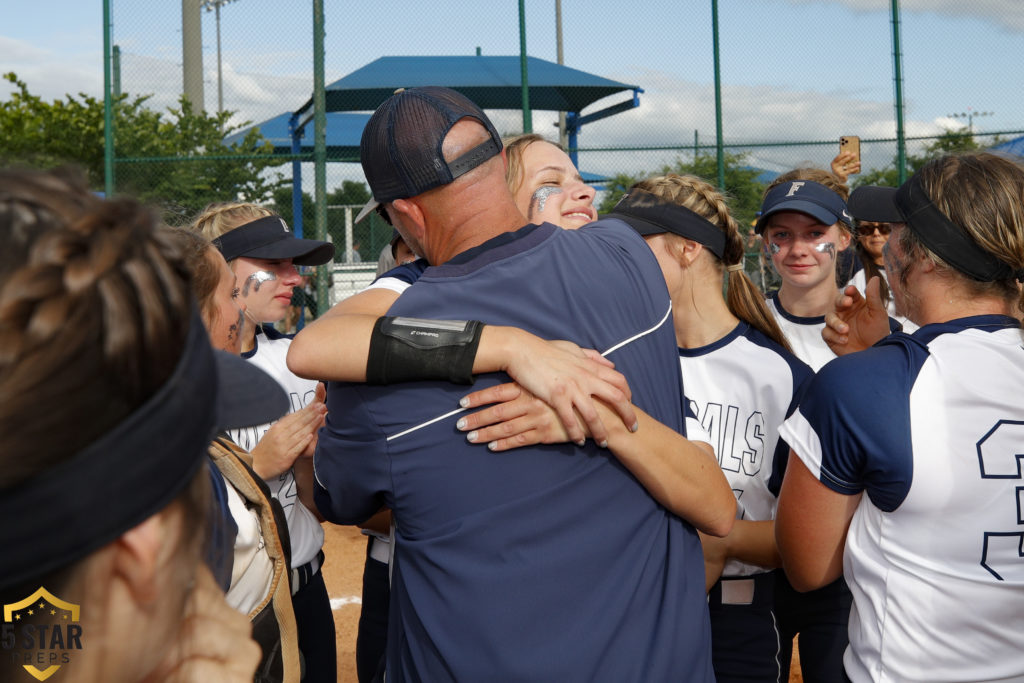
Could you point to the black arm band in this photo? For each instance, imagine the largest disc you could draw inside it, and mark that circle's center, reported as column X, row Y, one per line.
column 411, row 349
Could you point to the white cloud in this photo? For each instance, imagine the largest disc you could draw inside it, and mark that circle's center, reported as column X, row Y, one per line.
column 48, row 75
column 1008, row 14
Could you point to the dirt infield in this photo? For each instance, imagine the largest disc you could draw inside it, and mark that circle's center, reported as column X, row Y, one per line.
column 345, row 548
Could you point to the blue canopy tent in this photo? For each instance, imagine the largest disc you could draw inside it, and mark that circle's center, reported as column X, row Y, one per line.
column 491, row 82
column 1014, row 147
column 343, row 132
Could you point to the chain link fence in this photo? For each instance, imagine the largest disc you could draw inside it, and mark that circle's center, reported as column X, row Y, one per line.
column 787, row 93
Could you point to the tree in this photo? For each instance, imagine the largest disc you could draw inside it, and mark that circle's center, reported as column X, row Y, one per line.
column 202, row 168
column 949, row 142
column 742, row 190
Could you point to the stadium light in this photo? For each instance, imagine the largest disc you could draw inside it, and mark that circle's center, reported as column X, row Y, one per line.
column 214, row 6
column 970, row 115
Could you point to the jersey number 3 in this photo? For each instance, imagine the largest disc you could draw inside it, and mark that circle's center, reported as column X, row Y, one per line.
column 1000, row 454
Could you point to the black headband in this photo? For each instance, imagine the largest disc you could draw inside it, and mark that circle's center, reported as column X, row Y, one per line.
column 946, row 239
column 115, row 483
column 649, row 214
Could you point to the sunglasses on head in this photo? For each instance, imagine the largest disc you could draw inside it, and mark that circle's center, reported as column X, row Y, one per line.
column 865, row 229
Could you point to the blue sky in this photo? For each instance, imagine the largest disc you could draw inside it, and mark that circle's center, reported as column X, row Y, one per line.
column 791, row 69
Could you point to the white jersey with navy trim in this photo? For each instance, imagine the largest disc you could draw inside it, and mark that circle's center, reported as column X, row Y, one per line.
column 742, row 387
column 930, row 427
column 860, row 281
column 803, row 334
column 270, row 354
column 400, row 278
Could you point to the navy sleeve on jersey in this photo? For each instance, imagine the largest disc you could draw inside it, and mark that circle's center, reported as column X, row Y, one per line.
column 859, row 407
column 351, row 478
column 407, row 272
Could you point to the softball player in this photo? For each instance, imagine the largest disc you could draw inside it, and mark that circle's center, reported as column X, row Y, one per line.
column 741, row 380
column 805, row 224
column 263, row 254
column 929, row 426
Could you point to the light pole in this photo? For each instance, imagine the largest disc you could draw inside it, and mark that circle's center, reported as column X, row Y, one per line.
column 970, row 115
column 215, row 6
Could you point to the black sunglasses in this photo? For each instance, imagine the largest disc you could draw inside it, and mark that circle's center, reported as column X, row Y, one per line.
column 865, row 229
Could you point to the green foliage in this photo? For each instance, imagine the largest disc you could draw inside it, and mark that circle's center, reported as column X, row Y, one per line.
column 743, row 192
column 949, row 142
column 350, row 192
column 70, row 131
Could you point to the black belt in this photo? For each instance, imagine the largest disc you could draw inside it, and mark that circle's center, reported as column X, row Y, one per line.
column 301, row 576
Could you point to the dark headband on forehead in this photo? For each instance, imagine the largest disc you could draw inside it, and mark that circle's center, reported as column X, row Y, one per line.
column 945, row 238
column 649, row 214
column 118, row 481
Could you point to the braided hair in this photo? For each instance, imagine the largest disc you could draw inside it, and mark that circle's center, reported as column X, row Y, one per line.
column 94, row 308
column 743, row 298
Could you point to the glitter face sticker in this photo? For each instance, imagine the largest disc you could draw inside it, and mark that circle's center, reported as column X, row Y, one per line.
column 540, row 197
column 772, row 248
column 259, row 277
column 826, row 248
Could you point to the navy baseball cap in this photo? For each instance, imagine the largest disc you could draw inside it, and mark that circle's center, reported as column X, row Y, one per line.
column 269, row 238
column 805, row 196
column 401, row 145
column 874, row 204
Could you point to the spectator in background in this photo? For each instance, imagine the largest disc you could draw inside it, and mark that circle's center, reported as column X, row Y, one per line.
column 875, row 217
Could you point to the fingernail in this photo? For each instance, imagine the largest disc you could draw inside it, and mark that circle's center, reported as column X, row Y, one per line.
column 581, row 443
column 464, row 402
column 472, row 436
column 461, row 424
column 492, row 446
column 635, row 427
column 603, row 444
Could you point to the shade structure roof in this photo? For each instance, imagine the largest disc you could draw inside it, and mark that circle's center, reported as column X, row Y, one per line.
column 1014, row 147
column 344, row 130
column 492, row 82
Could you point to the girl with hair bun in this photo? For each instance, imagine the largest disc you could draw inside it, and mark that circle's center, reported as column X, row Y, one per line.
column 928, row 426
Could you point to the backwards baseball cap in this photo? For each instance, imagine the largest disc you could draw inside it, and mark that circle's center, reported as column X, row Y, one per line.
column 649, row 214
column 911, row 204
column 874, row 204
column 805, row 196
column 401, row 144
column 270, row 238
column 138, row 467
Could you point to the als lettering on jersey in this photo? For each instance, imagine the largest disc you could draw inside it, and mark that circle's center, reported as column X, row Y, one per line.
column 1000, row 455
column 738, row 442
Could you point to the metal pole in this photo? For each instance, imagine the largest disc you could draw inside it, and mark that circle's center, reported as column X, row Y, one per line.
column 296, row 135
column 192, row 52
column 720, row 151
column 897, row 73
column 525, row 79
column 563, row 138
column 220, row 72
column 108, row 105
column 323, row 274
column 116, row 57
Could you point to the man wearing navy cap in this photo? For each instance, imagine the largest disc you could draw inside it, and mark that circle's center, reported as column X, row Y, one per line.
column 553, row 562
